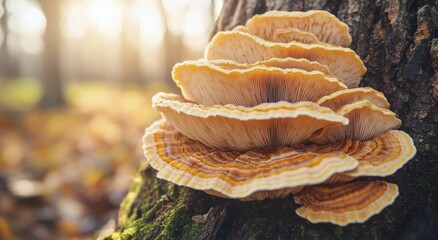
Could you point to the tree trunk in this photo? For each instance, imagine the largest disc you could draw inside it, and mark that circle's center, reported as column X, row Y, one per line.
column 51, row 82
column 398, row 41
column 8, row 62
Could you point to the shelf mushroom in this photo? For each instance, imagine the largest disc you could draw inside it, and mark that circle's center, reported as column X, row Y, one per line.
column 293, row 34
column 321, row 24
column 209, row 84
column 365, row 121
column 300, row 63
column 340, row 98
column 345, row 203
column 248, row 175
column 238, row 127
column 380, row 156
column 245, row 48
column 273, row 110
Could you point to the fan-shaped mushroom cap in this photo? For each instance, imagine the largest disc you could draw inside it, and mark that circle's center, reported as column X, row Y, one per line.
column 300, row 63
column 240, row 28
column 208, row 84
column 323, row 24
column 347, row 96
column 245, row 48
column 380, row 156
column 238, row 127
column 293, row 34
column 345, row 203
column 287, row 35
column 366, row 121
column 383, row 155
column 255, row 174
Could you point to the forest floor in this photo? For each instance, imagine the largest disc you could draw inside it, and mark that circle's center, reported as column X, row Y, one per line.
column 63, row 173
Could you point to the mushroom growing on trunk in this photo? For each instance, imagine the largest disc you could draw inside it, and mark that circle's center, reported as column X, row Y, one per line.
column 265, row 116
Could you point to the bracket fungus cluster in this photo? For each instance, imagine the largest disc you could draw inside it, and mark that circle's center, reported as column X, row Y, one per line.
column 274, row 109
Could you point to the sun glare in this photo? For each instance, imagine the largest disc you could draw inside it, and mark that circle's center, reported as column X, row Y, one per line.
column 74, row 22
column 97, row 35
column 151, row 26
column 175, row 10
column 27, row 24
column 105, row 16
column 196, row 24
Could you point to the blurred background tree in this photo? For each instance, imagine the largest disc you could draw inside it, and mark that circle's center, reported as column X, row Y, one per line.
column 76, row 78
column 127, row 42
column 51, row 80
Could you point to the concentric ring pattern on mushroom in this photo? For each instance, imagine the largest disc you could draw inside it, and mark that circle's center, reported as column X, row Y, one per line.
column 274, row 109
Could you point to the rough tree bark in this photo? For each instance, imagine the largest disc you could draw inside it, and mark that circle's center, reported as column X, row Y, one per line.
column 398, row 41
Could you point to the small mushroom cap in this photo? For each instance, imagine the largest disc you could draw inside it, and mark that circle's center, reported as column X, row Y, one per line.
column 345, row 203
column 383, row 155
column 366, row 121
column 323, row 24
column 300, row 63
column 240, row 28
column 380, row 156
column 208, row 84
column 245, row 48
column 293, row 34
column 238, row 127
column 346, row 96
column 249, row 175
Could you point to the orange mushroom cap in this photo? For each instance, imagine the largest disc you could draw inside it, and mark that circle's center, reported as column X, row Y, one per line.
column 293, row 34
column 324, row 25
column 287, row 35
column 208, row 84
column 247, row 175
column 238, row 127
column 345, row 203
column 380, row 156
column 346, row 96
column 366, row 121
column 245, row 48
column 300, row 63
column 383, row 155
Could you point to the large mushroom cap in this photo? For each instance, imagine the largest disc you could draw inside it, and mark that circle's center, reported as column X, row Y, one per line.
column 346, row 96
column 208, row 84
column 323, row 24
column 238, row 127
column 366, row 121
column 300, row 63
column 248, row 175
column 345, row 203
column 245, row 48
